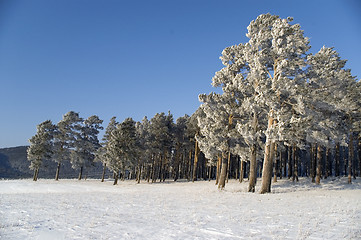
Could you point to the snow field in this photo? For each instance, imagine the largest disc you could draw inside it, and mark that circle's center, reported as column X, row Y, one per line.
column 72, row 209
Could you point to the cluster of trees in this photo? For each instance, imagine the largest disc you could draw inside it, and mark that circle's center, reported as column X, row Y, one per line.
column 73, row 139
column 275, row 94
column 282, row 111
column 150, row 149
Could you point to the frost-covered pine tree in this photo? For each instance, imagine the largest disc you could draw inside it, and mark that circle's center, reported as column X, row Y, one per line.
column 161, row 131
column 122, row 148
column 41, row 146
column 85, row 144
column 334, row 100
column 217, row 129
column 180, row 143
column 276, row 57
column 237, row 81
column 102, row 154
column 64, row 138
column 145, row 158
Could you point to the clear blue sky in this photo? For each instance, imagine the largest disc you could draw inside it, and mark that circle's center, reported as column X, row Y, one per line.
column 136, row 58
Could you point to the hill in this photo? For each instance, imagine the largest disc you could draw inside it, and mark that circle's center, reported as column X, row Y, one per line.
column 14, row 165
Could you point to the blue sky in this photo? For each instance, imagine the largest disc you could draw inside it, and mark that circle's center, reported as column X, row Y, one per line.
column 136, row 58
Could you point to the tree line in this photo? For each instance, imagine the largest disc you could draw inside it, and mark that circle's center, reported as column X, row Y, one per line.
column 282, row 112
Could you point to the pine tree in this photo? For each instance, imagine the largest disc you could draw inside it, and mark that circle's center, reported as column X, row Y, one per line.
column 64, row 138
column 86, row 144
column 102, row 154
column 333, row 102
column 122, row 149
column 217, row 126
column 161, row 129
column 41, row 146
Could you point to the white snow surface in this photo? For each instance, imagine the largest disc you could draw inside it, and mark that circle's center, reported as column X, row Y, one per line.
column 72, row 209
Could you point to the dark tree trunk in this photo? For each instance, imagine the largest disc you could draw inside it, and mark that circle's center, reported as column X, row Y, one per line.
column 290, row 165
column 295, row 160
column 350, row 157
column 313, row 162
column 337, row 160
column 218, row 173
column 177, row 165
column 189, row 165
column 252, row 170
column 345, row 161
column 35, row 177
column 116, row 177
column 209, row 172
column 328, row 163
column 228, row 166
column 319, row 164
column 241, row 171
column 281, row 164
column 57, row 172
column 80, row 173
column 359, row 155
column 275, row 164
column 222, row 179
column 285, row 154
column 104, row 169
column 195, row 163
column 139, row 173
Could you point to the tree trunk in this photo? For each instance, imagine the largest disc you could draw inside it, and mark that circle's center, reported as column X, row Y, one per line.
column 57, row 172
column 139, row 173
column 228, row 166
column 290, row 165
column 104, row 169
column 313, row 162
column 359, row 155
column 196, row 155
column 253, row 169
column 241, row 171
column 116, row 174
column 268, row 162
column 153, row 171
column 345, row 161
column 281, row 164
column 295, row 160
column 350, row 157
column 189, row 165
column 222, row 179
column 275, row 164
column 319, row 164
column 36, row 170
column 328, row 170
column 177, row 164
column 337, row 160
column 285, row 163
column 210, row 173
column 218, row 173
column 80, row 173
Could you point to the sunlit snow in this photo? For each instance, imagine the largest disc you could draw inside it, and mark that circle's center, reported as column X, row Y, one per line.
column 72, row 209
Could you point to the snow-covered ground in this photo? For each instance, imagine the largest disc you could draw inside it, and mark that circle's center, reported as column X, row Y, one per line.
column 72, row 209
